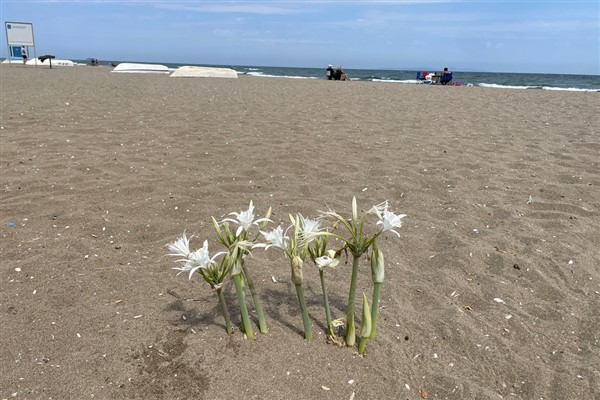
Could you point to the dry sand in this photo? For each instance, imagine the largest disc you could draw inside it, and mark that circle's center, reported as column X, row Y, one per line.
column 100, row 170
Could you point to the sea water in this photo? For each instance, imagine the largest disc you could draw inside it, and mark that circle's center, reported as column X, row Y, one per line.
column 482, row 79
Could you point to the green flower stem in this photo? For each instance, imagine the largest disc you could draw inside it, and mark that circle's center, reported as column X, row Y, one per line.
column 375, row 308
column 361, row 345
column 327, row 309
column 262, row 323
column 307, row 325
column 225, row 311
column 350, row 329
column 237, row 280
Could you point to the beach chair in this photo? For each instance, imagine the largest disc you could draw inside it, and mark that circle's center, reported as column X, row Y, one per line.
column 446, row 78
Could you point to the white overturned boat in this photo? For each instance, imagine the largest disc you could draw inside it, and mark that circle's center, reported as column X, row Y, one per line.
column 141, row 68
column 46, row 62
column 203, row 72
column 55, row 62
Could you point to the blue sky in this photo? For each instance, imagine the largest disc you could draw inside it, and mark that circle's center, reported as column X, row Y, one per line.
column 493, row 36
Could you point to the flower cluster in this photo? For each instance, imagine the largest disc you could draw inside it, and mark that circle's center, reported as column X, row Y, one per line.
column 304, row 239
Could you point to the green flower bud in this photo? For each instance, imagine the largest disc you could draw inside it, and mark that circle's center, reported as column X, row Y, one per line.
column 377, row 265
column 297, row 270
column 354, row 212
column 237, row 267
column 365, row 326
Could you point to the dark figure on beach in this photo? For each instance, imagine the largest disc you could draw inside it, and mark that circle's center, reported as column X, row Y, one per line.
column 340, row 75
column 446, row 76
column 330, row 72
column 24, row 54
column 337, row 75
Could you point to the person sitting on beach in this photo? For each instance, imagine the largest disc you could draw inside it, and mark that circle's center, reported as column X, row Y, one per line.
column 446, row 76
column 338, row 73
column 330, row 72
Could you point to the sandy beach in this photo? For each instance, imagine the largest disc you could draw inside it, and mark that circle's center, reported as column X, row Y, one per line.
column 491, row 292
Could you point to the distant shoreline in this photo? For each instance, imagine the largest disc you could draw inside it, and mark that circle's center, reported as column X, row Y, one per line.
column 520, row 81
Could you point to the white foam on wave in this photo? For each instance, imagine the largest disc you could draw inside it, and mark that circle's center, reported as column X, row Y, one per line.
column 256, row 74
column 260, row 74
column 570, row 89
column 407, row 81
column 495, row 85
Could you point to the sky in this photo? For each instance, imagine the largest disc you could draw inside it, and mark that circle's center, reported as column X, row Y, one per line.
column 485, row 35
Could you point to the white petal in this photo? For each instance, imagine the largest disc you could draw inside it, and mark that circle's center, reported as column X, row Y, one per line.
column 326, row 261
column 180, row 247
column 193, row 270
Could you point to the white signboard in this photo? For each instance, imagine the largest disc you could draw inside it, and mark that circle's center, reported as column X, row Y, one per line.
column 19, row 33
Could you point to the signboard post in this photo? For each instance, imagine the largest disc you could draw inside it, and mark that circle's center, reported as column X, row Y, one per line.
column 19, row 36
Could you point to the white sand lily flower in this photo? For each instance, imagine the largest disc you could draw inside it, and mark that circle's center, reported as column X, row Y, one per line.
column 180, row 247
column 245, row 219
column 309, row 229
column 326, row 261
column 388, row 219
column 198, row 259
column 308, row 226
column 379, row 208
column 275, row 238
